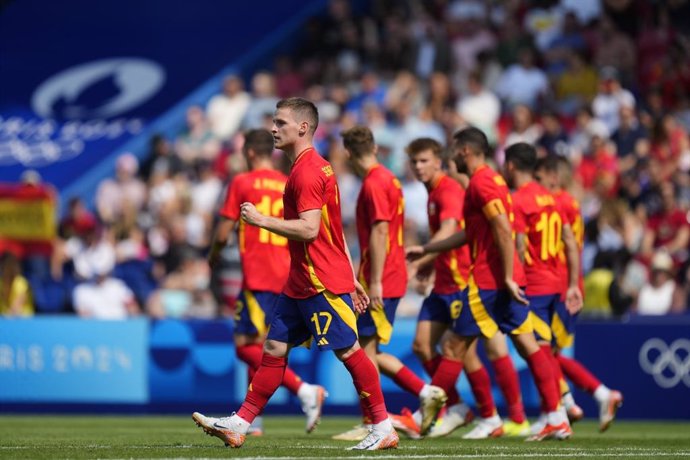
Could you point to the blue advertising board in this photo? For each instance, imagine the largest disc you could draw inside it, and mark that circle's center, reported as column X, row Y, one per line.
column 648, row 359
column 73, row 360
column 83, row 81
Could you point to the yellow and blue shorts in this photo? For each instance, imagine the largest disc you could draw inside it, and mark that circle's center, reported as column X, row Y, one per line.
column 329, row 318
column 543, row 308
column 379, row 322
column 441, row 308
column 486, row 311
column 563, row 326
column 254, row 312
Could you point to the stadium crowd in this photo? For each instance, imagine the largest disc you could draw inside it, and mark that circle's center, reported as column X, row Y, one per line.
column 603, row 83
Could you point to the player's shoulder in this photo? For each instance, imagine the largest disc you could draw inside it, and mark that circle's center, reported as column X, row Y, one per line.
column 487, row 178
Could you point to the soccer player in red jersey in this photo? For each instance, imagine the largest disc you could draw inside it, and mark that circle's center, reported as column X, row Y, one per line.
column 555, row 173
column 442, row 306
column 321, row 296
column 494, row 299
column 265, row 263
column 380, row 221
column 541, row 233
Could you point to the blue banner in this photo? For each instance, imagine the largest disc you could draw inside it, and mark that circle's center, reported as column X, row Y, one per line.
column 83, row 81
column 73, row 360
column 647, row 359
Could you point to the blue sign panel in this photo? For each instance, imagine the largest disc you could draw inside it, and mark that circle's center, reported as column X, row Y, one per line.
column 73, row 360
column 647, row 359
column 83, row 81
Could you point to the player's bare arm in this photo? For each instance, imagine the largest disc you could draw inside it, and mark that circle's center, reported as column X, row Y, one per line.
column 445, row 239
column 521, row 246
column 503, row 236
column 378, row 241
column 304, row 229
column 573, row 296
column 223, row 233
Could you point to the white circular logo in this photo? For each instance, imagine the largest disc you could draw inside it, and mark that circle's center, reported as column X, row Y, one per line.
column 669, row 365
column 133, row 81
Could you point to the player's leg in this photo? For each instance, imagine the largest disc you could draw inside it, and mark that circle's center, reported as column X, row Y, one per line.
column 253, row 315
column 475, row 320
column 333, row 324
column 509, row 383
column 515, row 320
column 287, row 328
column 609, row 401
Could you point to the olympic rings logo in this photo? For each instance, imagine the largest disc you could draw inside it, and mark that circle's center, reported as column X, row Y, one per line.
column 669, row 365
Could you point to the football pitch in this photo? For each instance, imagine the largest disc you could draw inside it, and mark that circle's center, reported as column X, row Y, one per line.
column 78, row 437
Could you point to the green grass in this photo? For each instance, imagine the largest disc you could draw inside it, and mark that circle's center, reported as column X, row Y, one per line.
column 76, row 437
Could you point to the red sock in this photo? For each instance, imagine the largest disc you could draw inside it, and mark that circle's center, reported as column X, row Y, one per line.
column 578, row 374
column 265, row 383
column 366, row 413
column 481, row 389
column 446, row 376
column 430, row 367
column 252, row 353
column 555, row 368
column 366, row 380
column 540, row 367
column 509, row 383
column 408, row 381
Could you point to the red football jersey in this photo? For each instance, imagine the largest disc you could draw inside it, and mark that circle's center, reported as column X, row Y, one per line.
column 322, row 264
column 452, row 267
column 264, row 255
column 488, row 196
column 381, row 199
column 570, row 209
column 537, row 216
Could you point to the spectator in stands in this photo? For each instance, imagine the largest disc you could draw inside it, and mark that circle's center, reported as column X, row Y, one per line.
column 613, row 48
column 100, row 296
column 523, row 128
column 627, row 136
column 430, row 50
column 288, row 80
column 670, row 146
column 668, row 230
column 656, row 295
column 78, row 221
column 523, row 83
column 263, row 100
column 611, row 97
column 576, row 87
column 480, row 107
column 160, row 159
column 121, row 199
column 185, row 292
column 197, row 141
column 15, row 294
column 371, row 90
column 553, row 140
column 226, row 110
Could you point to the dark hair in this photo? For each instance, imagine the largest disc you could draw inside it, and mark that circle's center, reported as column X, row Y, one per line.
column 359, row 141
column 473, row 137
column 303, row 110
column 424, row 143
column 259, row 140
column 523, row 156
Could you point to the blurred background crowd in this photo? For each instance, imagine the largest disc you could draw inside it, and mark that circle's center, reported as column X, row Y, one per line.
column 603, row 83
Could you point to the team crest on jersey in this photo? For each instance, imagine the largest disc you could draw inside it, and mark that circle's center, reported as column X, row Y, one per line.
column 327, row 170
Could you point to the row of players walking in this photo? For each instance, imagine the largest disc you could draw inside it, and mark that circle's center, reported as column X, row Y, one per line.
column 504, row 265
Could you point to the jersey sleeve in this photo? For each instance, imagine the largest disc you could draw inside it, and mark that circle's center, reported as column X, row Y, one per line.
column 311, row 192
column 450, row 206
column 490, row 195
column 233, row 200
column 378, row 204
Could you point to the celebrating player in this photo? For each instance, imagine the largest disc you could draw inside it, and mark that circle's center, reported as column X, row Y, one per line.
column 380, row 220
column 494, row 299
column 321, row 295
column 555, row 173
column 541, row 233
column 265, row 263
